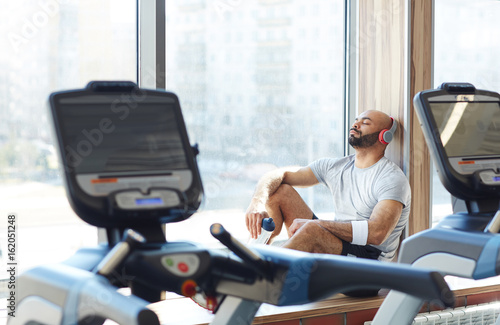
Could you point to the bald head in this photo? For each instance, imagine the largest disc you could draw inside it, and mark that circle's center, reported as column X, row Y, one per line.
column 381, row 119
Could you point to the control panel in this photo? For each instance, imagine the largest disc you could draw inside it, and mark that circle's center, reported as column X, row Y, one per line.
column 490, row 177
column 155, row 199
column 182, row 265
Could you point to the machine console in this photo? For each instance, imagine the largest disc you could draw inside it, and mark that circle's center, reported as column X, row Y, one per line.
column 125, row 155
column 461, row 125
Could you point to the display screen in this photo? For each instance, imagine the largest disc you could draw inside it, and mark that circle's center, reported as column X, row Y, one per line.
column 149, row 201
column 100, row 135
column 468, row 128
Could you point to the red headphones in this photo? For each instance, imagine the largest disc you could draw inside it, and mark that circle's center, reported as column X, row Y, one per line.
column 385, row 136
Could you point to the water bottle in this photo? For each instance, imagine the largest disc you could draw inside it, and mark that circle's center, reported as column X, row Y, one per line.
column 266, row 231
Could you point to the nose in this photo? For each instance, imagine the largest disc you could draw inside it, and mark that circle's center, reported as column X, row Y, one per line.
column 355, row 125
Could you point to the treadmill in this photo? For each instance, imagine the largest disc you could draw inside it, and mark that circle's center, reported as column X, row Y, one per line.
column 129, row 168
column 461, row 125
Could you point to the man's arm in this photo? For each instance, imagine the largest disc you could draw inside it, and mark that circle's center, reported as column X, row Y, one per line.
column 382, row 222
column 267, row 186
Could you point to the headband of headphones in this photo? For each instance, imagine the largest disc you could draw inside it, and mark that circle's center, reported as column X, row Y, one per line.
column 385, row 136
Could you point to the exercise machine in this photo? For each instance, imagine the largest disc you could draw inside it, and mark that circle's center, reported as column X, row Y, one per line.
column 461, row 125
column 130, row 169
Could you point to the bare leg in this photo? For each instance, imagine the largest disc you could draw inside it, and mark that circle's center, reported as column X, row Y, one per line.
column 314, row 238
column 286, row 205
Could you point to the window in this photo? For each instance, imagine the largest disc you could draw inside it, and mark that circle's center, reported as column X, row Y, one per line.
column 50, row 46
column 242, row 72
column 465, row 50
column 285, row 59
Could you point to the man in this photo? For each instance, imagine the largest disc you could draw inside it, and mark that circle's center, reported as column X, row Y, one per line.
column 371, row 198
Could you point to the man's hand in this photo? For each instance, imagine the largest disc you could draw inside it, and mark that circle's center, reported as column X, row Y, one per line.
column 253, row 218
column 266, row 187
column 296, row 225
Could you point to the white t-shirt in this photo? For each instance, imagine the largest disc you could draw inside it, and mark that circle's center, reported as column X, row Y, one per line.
column 356, row 191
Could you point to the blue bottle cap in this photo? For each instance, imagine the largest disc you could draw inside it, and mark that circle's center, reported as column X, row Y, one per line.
column 268, row 224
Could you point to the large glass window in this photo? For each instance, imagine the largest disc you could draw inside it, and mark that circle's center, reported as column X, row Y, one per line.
column 50, row 46
column 466, row 49
column 261, row 86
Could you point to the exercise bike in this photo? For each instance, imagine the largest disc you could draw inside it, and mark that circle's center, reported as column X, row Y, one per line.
column 129, row 168
column 461, row 127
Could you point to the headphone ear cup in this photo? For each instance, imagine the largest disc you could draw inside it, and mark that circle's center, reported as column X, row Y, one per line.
column 383, row 135
column 388, row 136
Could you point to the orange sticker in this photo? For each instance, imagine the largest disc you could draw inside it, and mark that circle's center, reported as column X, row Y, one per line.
column 104, row 180
column 466, row 162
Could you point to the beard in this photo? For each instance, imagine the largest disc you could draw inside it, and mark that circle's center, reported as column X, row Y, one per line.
column 363, row 141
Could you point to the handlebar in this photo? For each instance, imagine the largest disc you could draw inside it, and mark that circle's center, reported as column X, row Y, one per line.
column 255, row 261
column 262, row 272
column 120, row 252
column 74, row 295
column 494, row 225
column 99, row 299
column 312, row 277
column 343, row 274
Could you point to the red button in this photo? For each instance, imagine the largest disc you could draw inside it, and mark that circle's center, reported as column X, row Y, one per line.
column 188, row 288
column 183, row 267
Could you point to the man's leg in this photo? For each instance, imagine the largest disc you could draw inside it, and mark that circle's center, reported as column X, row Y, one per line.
column 314, row 238
column 284, row 206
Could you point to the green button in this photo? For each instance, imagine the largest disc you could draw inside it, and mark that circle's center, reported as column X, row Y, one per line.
column 169, row 261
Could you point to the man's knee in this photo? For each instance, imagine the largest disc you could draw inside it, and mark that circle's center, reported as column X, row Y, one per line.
column 282, row 195
column 310, row 230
